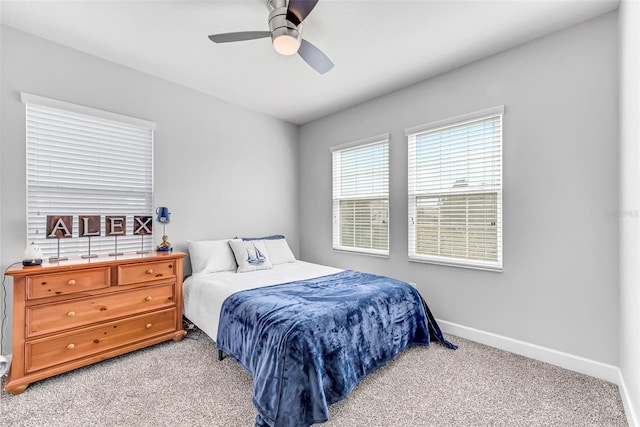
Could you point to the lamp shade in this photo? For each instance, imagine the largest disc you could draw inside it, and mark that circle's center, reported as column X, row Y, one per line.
column 286, row 44
column 163, row 215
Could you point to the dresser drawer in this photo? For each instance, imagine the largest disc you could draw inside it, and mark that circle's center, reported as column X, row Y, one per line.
column 52, row 284
column 148, row 272
column 48, row 318
column 46, row 352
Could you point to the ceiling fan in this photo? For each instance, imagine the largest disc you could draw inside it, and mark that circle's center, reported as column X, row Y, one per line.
column 286, row 33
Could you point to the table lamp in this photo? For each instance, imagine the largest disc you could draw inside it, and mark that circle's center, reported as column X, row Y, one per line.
column 164, row 219
column 32, row 255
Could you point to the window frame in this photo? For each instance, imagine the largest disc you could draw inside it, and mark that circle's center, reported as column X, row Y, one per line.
column 414, row 194
column 49, row 123
column 337, row 198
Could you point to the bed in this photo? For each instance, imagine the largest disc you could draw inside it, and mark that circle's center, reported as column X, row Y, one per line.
column 307, row 333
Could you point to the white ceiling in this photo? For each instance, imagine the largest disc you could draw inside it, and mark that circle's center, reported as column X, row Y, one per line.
column 377, row 46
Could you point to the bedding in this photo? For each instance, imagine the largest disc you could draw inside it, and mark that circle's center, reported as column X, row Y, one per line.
column 203, row 294
column 308, row 342
column 277, row 247
column 250, row 255
column 210, row 256
column 279, row 251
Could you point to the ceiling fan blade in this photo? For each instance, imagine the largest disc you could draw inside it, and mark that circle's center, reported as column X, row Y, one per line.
column 314, row 57
column 239, row 36
column 299, row 9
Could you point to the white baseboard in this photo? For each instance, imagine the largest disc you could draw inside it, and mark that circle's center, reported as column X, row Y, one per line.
column 585, row 366
column 564, row 360
column 632, row 418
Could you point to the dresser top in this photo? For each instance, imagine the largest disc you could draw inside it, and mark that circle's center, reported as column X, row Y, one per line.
column 102, row 260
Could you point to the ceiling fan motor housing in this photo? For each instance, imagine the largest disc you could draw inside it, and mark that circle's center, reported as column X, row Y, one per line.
column 285, row 35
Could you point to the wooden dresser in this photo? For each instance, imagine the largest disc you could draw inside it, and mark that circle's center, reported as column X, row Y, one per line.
column 73, row 313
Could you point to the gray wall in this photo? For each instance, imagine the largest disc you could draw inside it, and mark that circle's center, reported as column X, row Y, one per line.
column 221, row 169
column 630, row 201
column 559, row 288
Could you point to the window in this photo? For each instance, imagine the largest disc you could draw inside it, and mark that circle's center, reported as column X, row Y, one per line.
column 361, row 196
column 455, row 191
column 82, row 161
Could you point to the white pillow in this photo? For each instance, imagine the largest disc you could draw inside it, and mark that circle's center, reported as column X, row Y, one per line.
column 279, row 251
column 251, row 255
column 210, row 256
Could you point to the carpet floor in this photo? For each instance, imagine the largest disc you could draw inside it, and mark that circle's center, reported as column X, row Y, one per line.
column 183, row 384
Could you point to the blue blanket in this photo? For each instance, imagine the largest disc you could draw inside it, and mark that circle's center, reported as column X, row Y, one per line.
column 308, row 343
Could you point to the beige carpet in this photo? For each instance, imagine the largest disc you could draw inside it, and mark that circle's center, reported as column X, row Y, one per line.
column 182, row 384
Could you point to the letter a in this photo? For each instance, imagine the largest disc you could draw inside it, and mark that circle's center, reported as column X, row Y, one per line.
column 59, row 225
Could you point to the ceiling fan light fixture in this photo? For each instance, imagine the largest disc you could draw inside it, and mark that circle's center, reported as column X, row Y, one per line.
column 285, row 28
column 285, row 35
column 286, row 44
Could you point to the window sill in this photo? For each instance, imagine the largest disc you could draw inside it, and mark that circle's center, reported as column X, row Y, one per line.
column 356, row 252
column 494, row 269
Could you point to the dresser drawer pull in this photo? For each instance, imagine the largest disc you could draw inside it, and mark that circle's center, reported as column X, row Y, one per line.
column 148, row 298
column 71, row 346
column 148, row 326
column 71, row 313
column 149, row 271
column 71, row 282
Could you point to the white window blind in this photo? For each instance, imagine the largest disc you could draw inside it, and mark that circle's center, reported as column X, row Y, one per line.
column 361, row 196
column 455, row 191
column 86, row 164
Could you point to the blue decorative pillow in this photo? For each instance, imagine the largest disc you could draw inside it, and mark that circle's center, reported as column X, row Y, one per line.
column 272, row 237
column 251, row 255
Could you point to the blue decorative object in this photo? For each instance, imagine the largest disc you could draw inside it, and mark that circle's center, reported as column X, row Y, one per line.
column 308, row 343
column 163, row 215
column 272, row 237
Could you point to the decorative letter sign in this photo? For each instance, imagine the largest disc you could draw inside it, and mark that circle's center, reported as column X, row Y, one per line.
column 89, row 225
column 59, row 226
column 116, row 225
column 142, row 225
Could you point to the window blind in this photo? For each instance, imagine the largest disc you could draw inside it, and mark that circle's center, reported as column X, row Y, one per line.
column 361, row 196
column 455, row 191
column 81, row 164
